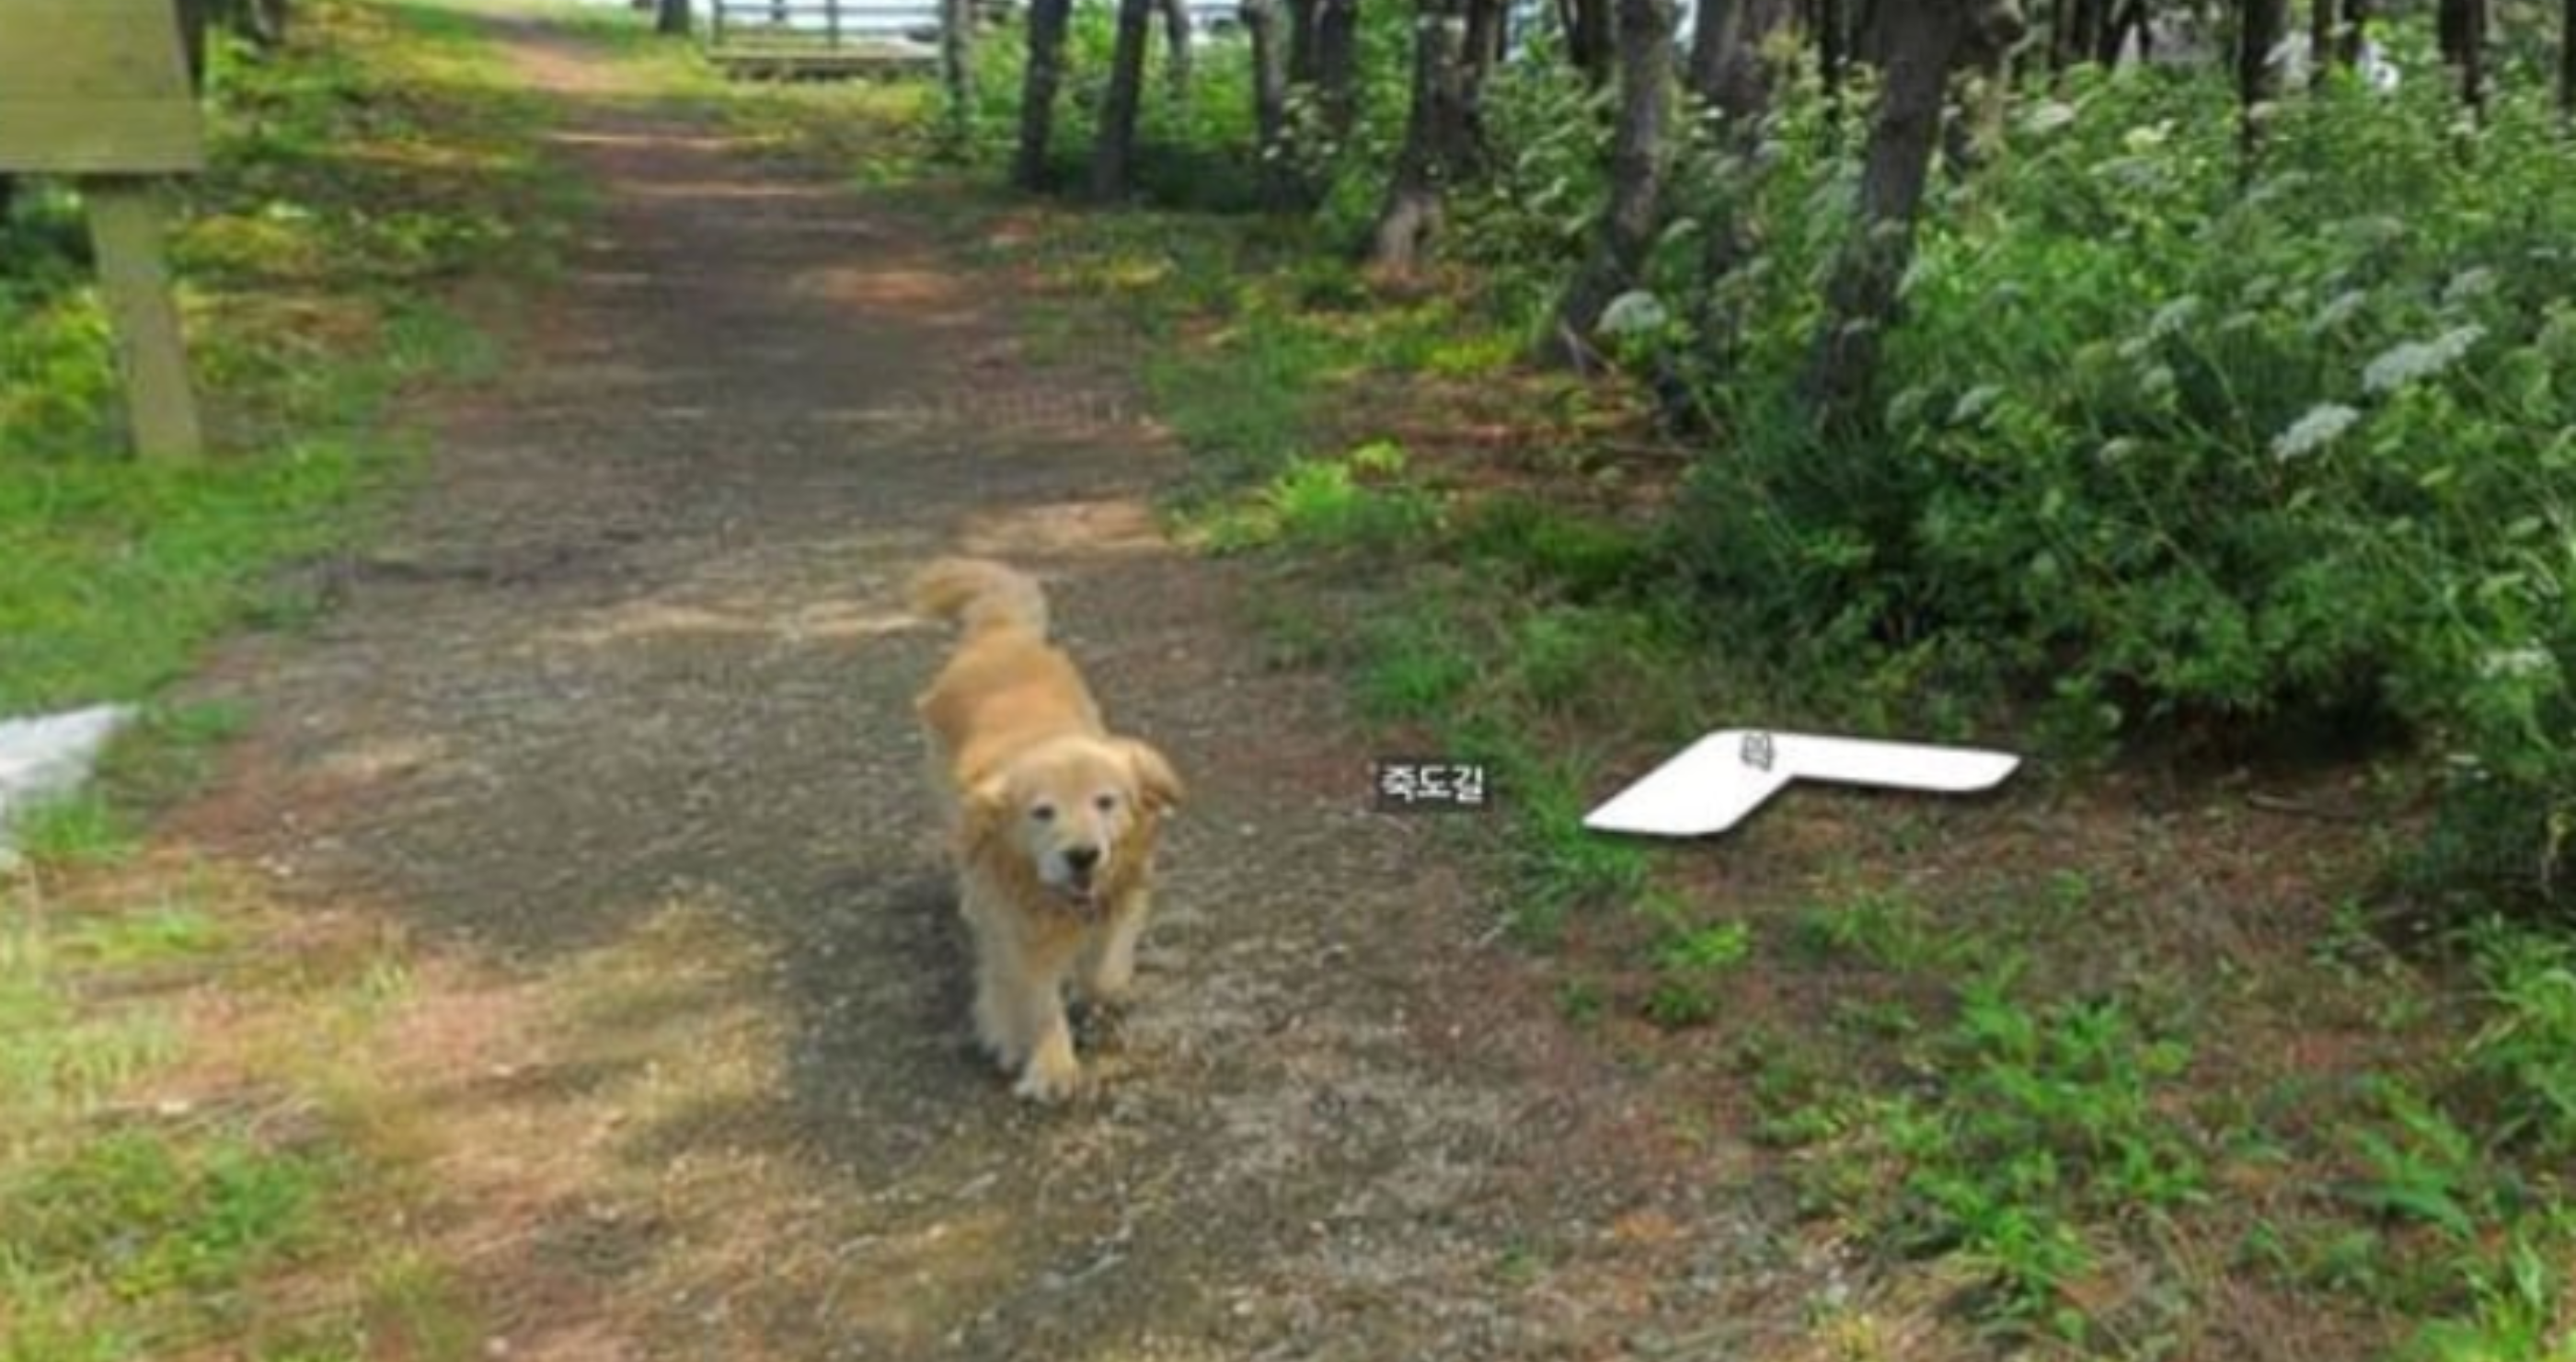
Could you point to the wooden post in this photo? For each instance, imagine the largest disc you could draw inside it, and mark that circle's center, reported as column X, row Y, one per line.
column 134, row 276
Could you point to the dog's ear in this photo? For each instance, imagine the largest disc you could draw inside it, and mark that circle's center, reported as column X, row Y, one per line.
column 985, row 806
column 1156, row 781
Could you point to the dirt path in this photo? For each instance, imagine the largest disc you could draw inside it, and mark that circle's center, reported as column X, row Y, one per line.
column 615, row 722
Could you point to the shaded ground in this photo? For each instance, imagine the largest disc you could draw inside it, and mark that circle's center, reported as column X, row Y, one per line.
column 616, row 722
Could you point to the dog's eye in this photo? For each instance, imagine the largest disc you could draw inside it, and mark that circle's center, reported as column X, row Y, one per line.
column 1043, row 813
column 1107, row 802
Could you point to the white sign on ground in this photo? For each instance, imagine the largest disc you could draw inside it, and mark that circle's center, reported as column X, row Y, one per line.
column 47, row 758
column 1723, row 777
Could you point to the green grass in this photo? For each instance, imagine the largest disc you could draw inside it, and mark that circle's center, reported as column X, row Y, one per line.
column 147, row 1215
column 345, row 192
column 175, row 1179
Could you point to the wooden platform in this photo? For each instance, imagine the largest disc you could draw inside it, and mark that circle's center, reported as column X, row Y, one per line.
column 816, row 39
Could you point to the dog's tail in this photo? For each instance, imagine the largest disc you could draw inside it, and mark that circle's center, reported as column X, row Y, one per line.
column 980, row 594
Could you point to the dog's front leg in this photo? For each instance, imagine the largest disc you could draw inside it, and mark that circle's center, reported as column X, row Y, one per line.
column 1052, row 1073
column 1110, row 971
column 1001, row 1026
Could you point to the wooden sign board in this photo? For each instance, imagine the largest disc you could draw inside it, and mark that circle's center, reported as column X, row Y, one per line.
column 96, row 87
column 99, row 89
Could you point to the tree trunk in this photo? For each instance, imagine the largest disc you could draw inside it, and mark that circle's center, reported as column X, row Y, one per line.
column 1488, row 35
column 671, row 19
column 2356, row 13
column 195, row 18
column 1833, row 54
column 1741, row 92
column 1727, row 54
column 957, row 22
column 1718, row 23
column 2093, row 19
column 1930, row 39
column 2463, row 25
column 264, row 22
column 1589, row 40
column 1637, row 163
column 1436, row 140
column 2119, row 20
column 1304, row 64
column 1114, row 154
column 2258, row 78
column 2321, row 42
column 1047, row 21
column 1176, row 46
column 1261, row 20
column 2567, row 61
column 1337, row 66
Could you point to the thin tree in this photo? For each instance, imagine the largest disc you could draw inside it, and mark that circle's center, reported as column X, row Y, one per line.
column 2567, row 61
column 671, row 18
column 2120, row 22
column 1726, row 60
column 1928, row 40
column 1114, row 155
column 1589, row 41
column 1439, row 141
column 1303, row 22
column 1176, row 33
column 2261, row 28
column 957, row 21
column 1337, row 66
column 2323, row 51
column 1262, row 23
column 1039, row 83
column 1639, row 153
column 2463, row 28
column 1488, row 34
column 1731, row 69
column 1833, row 55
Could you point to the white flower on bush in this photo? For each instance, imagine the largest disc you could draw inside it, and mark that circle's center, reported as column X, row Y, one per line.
column 2049, row 116
column 2515, row 663
column 2467, row 284
column 2140, row 141
column 1974, row 402
column 2343, row 307
column 1633, row 313
column 2320, row 426
column 2404, row 363
column 2173, row 316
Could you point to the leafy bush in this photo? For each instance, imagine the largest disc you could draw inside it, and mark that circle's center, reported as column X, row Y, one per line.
column 2179, row 454
column 2525, row 1056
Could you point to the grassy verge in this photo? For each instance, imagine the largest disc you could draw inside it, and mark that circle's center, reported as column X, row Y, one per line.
column 2109, row 1069
column 352, row 180
column 197, row 1156
column 2105, row 1070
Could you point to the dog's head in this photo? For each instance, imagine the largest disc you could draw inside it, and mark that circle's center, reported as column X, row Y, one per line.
column 1070, row 811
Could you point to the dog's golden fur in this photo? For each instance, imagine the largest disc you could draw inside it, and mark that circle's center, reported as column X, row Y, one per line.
column 1051, row 818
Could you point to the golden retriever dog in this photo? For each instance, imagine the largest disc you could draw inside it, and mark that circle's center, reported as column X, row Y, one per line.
column 1051, row 818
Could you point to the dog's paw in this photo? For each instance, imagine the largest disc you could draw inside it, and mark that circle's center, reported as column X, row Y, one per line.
column 1048, row 1083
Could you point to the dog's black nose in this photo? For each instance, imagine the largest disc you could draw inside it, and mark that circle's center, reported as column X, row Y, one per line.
column 1082, row 859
